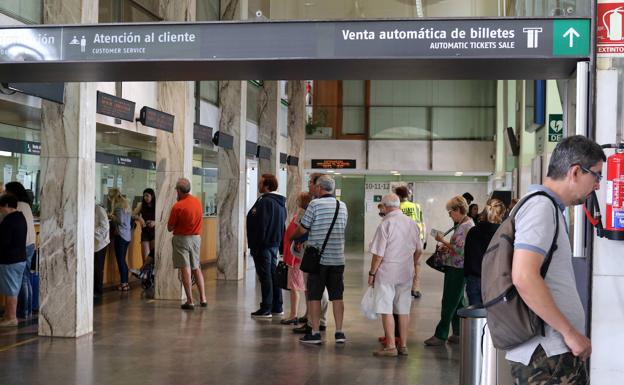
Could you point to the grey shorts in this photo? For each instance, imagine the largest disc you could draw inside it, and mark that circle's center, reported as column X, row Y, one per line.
column 186, row 251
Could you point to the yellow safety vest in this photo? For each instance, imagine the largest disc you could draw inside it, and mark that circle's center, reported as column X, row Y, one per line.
column 414, row 211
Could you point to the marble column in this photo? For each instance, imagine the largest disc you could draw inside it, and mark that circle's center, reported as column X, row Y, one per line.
column 269, row 104
column 67, row 195
column 231, row 190
column 296, row 133
column 174, row 157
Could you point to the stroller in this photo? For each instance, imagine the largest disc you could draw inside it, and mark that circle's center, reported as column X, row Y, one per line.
column 146, row 275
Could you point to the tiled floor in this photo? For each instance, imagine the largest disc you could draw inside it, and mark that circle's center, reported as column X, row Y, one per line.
column 139, row 341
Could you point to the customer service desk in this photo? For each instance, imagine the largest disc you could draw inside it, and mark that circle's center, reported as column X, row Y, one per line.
column 208, row 251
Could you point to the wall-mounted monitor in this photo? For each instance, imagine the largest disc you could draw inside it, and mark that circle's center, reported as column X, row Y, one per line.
column 53, row 92
column 223, row 140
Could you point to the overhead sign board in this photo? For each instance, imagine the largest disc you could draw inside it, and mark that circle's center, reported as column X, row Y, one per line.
column 236, row 46
column 264, row 152
column 610, row 29
column 111, row 105
column 50, row 91
column 333, row 163
column 20, row 146
column 156, row 119
column 251, row 148
column 125, row 161
column 202, row 133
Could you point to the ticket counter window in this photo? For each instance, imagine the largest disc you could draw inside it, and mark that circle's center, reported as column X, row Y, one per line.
column 124, row 160
column 204, row 183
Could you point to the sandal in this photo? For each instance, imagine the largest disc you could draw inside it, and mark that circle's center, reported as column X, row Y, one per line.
column 123, row 287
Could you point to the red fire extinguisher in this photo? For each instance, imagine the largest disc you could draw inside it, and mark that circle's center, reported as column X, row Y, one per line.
column 615, row 194
column 614, row 228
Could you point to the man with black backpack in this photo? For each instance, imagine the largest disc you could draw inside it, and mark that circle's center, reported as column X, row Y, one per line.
column 542, row 273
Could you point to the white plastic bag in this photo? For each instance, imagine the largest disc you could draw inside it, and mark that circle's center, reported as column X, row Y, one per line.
column 367, row 304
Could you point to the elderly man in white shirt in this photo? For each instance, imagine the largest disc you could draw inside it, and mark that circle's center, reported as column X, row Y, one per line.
column 396, row 248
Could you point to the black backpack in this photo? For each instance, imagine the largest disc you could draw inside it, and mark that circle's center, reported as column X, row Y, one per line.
column 509, row 319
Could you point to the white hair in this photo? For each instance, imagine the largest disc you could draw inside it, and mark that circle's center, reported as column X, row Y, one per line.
column 326, row 183
column 391, row 200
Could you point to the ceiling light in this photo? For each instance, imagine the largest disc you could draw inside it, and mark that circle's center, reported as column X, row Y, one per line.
column 394, row 172
column 6, row 153
column 459, row 173
column 111, row 132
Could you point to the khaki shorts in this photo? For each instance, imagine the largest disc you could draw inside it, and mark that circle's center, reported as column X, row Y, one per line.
column 186, row 251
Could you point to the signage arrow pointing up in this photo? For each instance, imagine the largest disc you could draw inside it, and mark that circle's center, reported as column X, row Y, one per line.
column 572, row 33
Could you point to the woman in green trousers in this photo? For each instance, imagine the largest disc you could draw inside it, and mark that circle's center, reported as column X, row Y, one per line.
column 454, row 282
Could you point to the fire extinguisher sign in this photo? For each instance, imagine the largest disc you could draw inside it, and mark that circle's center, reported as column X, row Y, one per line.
column 609, row 29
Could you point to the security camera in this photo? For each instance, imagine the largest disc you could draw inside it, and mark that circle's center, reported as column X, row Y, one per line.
column 258, row 13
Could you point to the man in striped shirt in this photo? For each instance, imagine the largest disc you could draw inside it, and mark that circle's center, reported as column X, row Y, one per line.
column 316, row 222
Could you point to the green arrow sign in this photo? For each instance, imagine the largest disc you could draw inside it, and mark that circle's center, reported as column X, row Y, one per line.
column 570, row 37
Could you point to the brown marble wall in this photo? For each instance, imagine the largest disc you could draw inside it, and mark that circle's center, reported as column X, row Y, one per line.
column 67, row 195
column 269, row 103
column 296, row 134
column 174, row 157
column 231, row 189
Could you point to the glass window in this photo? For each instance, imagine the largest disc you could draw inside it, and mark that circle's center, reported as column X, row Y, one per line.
column 473, row 123
column 399, row 123
column 209, row 91
column 204, row 183
column 19, row 159
column 353, row 111
column 139, row 171
column 446, row 109
column 27, row 11
column 253, row 96
column 282, row 122
column 208, row 10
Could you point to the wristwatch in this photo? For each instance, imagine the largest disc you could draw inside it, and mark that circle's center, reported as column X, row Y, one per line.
column 371, row 274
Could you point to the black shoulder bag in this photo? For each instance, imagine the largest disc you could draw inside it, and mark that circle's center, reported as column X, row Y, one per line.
column 311, row 261
column 436, row 260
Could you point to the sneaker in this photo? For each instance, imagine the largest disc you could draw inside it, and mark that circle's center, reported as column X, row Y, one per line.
column 313, row 339
column 453, row 339
column 292, row 321
column 187, row 306
column 203, row 304
column 386, row 352
column 434, row 341
column 340, row 338
column 303, row 329
column 402, row 350
column 136, row 273
column 8, row 323
column 303, row 320
column 277, row 313
column 416, row 294
column 261, row 314
column 322, row 328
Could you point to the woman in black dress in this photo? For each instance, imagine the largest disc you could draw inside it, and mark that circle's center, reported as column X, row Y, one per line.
column 145, row 215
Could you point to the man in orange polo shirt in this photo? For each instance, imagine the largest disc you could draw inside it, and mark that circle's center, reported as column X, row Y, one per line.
column 185, row 222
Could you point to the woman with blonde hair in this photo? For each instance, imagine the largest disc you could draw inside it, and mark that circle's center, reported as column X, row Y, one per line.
column 454, row 282
column 120, row 216
column 477, row 242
